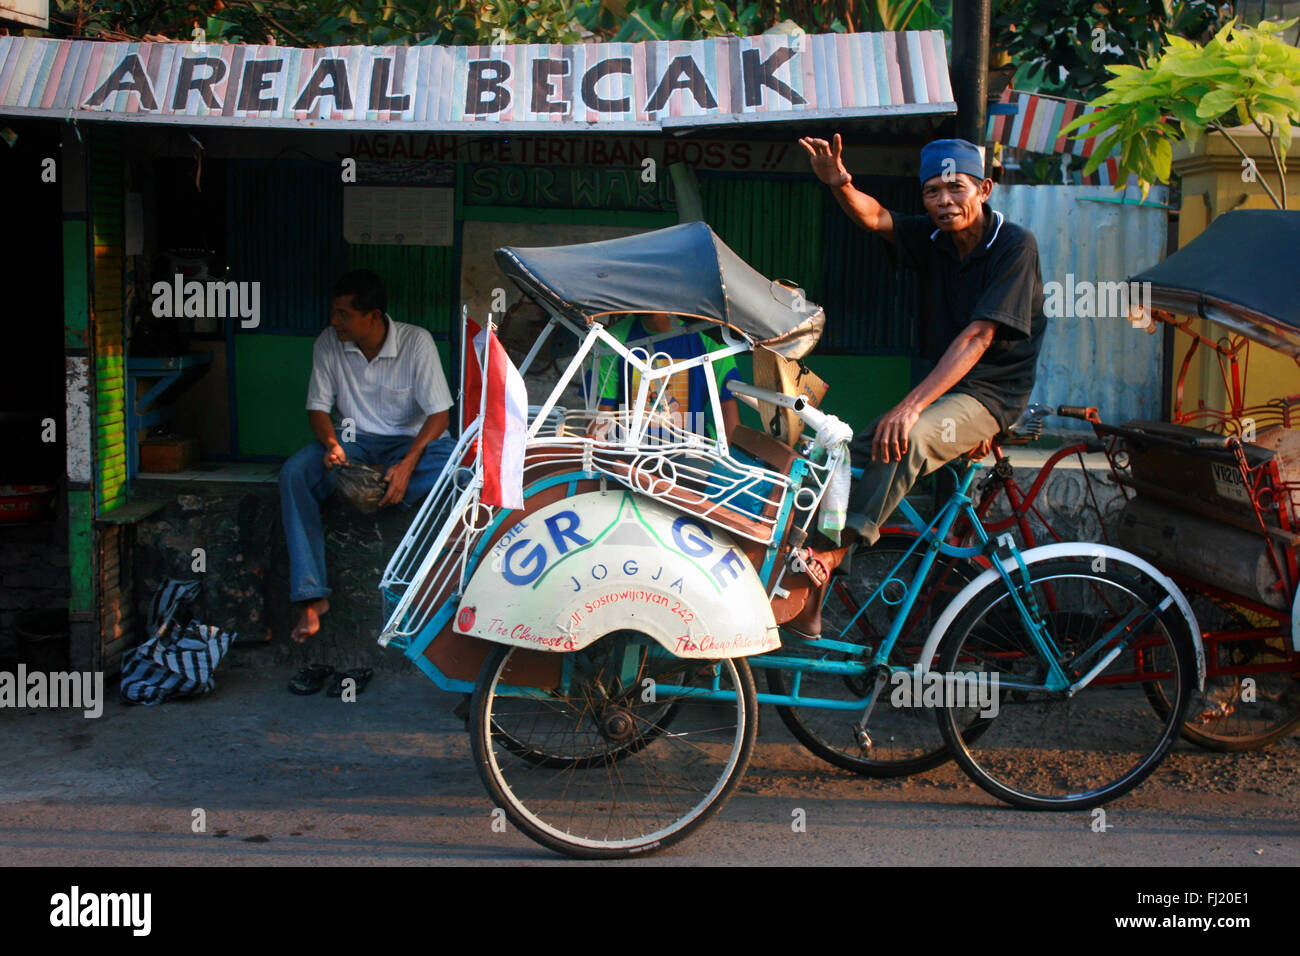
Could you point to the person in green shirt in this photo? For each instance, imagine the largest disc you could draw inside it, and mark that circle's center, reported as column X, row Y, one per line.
column 687, row 400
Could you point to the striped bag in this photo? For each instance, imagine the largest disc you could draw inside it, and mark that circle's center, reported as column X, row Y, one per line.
column 174, row 661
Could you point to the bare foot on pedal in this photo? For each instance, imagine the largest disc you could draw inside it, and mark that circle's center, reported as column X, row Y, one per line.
column 309, row 619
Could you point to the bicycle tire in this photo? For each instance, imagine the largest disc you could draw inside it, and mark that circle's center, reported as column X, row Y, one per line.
column 1219, row 718
column 1032, row 755
column 627, row 801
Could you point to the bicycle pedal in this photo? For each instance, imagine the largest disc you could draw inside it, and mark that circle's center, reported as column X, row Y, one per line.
column 863, row 738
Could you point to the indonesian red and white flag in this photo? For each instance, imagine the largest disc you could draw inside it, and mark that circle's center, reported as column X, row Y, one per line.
column 504, row 406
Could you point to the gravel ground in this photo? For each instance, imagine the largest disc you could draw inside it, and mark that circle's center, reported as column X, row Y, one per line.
column 388, row 779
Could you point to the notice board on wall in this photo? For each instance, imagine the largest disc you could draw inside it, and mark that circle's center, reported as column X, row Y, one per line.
column 398, row 215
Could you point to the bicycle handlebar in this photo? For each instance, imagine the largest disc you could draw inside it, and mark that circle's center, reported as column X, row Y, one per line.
column 798, row 404
column 1215, row 441
column 1086, row 412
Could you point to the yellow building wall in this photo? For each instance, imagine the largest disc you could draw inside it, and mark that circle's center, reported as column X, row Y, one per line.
column 1213, row 183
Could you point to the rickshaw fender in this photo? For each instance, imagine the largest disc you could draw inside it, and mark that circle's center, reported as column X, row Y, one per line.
column 1069, row 549
column 582, row 567
column 1295, row 622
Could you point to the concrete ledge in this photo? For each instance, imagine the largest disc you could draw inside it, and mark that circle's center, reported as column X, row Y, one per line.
column 246, row 582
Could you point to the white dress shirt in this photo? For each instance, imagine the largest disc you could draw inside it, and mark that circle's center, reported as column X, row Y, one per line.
column 392, row 394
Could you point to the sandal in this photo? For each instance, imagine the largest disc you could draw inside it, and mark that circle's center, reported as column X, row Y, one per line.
column 310, row 679
column 359, row 675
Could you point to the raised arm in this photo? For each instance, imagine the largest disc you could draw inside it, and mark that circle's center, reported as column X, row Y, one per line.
column 829, row 168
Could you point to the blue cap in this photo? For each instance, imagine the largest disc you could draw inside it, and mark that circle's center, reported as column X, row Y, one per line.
column 951, row 155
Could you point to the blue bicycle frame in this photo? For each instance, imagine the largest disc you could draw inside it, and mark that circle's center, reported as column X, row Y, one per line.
column 636, row 654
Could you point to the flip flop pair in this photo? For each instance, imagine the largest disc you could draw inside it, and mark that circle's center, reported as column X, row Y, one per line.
column 312, row 678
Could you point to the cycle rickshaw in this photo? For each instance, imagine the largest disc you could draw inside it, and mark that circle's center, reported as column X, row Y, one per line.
column 609, row 629
column 1213, row 497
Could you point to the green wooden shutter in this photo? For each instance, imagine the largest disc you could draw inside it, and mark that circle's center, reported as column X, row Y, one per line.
column 107, row 319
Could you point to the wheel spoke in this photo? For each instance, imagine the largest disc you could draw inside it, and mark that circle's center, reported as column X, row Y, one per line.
column 592, row 769
column 904, row 740
column 1047, row 749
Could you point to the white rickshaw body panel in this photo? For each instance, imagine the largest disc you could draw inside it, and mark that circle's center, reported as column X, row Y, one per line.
column 582, row 567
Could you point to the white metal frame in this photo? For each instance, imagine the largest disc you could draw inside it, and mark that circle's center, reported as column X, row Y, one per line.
column 636, row 446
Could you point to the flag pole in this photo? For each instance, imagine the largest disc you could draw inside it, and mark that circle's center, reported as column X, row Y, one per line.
column 464, row 331
column 482, row 396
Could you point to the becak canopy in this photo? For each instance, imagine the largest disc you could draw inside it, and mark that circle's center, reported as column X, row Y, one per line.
column 1241, row 273
column 683, row 269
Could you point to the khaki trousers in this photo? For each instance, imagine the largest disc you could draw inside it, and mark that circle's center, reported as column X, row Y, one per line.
column 949, row 428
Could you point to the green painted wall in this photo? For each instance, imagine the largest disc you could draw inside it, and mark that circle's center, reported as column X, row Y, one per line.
column 422, row 282
column 272, row 372
column 271, row 385
column 81, row 550
column 862, row 386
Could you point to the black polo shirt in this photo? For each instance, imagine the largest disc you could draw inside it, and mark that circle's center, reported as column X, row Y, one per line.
column 1000, row 280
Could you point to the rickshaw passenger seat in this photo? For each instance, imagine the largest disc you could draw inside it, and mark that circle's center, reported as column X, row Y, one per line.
column 775, row 454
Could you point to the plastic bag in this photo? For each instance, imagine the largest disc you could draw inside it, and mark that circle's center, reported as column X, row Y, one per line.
column 175, row 661
column 362, row 486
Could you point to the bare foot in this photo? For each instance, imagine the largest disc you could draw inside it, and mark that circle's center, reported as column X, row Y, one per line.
column 309, row 619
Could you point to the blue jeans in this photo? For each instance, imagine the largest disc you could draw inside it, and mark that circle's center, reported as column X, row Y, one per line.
column 305, row 483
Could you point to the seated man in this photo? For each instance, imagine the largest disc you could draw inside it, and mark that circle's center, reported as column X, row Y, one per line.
column 982, row 324
column 386, row 379
column 687, row 401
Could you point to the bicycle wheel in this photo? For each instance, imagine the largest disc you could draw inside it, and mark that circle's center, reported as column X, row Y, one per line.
column 1230, row 714
column 1046, row 749
column 614, row 781
column 655, row 722
column 905, row 740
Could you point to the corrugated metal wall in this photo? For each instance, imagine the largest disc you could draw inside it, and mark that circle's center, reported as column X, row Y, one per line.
column 112, row 586
column 109, row 359
column 284, row 228
column 870, row 305
column 1091, row 361
column 774, row 225
column 422, row 285
column 794, row 229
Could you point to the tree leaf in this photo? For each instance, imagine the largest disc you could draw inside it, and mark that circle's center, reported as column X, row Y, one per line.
column 1215, row 104
column 1162, row 157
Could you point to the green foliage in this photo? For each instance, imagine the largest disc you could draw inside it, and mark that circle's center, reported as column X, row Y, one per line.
column 902, row 15
column 529, row 21
column 1064, row 47
column 333, row 22
column 632, row 21
column 1242, row 76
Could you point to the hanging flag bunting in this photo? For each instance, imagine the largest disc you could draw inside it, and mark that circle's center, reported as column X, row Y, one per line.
column 1034, row 124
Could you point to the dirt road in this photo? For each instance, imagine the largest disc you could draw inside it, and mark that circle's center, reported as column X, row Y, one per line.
column 275, row 778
